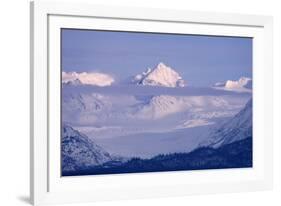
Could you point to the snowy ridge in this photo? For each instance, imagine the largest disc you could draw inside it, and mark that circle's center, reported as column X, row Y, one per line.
column 237, row 128
column 161, row 75
column 92, row 108
column 93, row 78
column 83, row 107
column 78, row 151
column 164, row 105
column 161, row 106
column 242, row 84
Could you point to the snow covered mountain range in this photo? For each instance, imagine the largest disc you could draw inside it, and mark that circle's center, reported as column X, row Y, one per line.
column 125, row 124
column 96, row 108
column 161, row 76
column 156, row 113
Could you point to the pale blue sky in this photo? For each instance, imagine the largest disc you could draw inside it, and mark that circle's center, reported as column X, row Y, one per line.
column 200, row 60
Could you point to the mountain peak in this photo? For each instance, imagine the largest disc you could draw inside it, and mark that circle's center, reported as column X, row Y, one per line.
column 161, row 65
column 89, row 78
column 161, row 75
column 241, row 84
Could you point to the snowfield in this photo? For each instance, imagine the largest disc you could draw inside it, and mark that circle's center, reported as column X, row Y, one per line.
column 150, row 144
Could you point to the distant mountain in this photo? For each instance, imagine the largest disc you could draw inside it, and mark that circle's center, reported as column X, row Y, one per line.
column 93, row 78
column 161, row 75
column 244, row 83
column 78, row 151
column 237, row 128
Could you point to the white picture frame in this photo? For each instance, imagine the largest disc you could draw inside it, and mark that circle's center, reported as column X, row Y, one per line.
column 46, row 184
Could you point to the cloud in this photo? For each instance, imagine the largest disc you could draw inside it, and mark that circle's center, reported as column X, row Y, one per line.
column 92, row 78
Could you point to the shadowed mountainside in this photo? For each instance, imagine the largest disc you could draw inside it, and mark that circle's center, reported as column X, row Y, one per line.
column 234, row 155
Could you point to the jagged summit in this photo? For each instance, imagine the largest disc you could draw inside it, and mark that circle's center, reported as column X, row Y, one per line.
column 161, row 75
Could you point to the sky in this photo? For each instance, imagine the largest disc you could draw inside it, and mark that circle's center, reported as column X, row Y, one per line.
column 200, row 60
